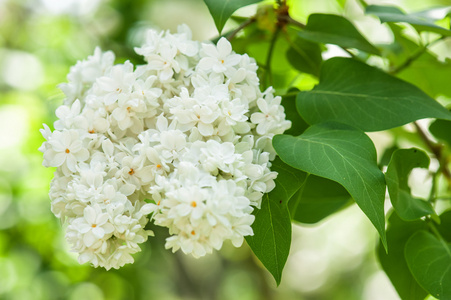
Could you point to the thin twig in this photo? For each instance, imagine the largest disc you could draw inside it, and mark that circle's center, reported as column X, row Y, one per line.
column 269, row 56
column 436, row 149
column 414, row 57
column 290, row 20
column 240, row 27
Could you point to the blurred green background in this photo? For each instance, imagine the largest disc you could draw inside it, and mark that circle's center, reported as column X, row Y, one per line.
column 39, row 41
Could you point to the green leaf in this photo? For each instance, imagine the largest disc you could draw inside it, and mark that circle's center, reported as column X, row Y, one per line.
column 362, row 96
column 305, row 56
column 441, row 129
column 298, row 125
column 445, row 225
column 316, row 199
column 337, row 30
column 422, row 21
column 272, row 226
column 221, row 10
column 429, row 260
column 429, row 74
column 426, row 72
column 394, row 263
column 403, row 161
column 343, row 154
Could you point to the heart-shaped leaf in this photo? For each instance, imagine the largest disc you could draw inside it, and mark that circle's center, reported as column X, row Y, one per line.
column 403, row 161
column 272, row 226
column 422, row 21
column 429, row 260
column 362, row 96
column 343, row 154
column 221, row 10
column 337, row 30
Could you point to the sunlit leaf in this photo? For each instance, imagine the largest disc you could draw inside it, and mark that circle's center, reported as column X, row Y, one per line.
column 272, row 226
column 337, row 30
column 222, row 10
column 362, row 96
column 429, row 260
column 422, row 21
column 403, row 161
column 343, row 154
column 394, row 262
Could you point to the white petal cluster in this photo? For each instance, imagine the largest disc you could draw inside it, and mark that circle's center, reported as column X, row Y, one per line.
column 184, row 139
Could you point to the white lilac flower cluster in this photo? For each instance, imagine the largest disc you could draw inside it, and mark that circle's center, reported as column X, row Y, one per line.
column 184, row 139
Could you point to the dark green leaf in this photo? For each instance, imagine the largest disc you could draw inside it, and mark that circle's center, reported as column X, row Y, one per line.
column 423, row 21
column 221, row 10
column 298, row 125
column 343, row 154
column 305, row 56
column 403, row 161
column 394, row 262
column 445, row 225
column 362, row 96
column 318, row 198
column 441, row 129
column 337, row 30
column 429, row 260
column 272, row 226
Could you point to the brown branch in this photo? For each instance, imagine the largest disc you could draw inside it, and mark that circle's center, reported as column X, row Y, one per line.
column 436, row 150
column 243, row 25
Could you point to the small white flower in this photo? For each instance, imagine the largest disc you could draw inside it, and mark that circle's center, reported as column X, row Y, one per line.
column 94, row 225
column 218, row 58
column 65, row 148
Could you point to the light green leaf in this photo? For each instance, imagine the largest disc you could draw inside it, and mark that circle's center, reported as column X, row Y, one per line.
column 343, row 154
column 316, row 199
column 337, row 30
column 305, row 56
column 429, row 260
column 272, row 226
column 221, row 10
column 394, row 263
column 362, row 96
column 422, row 21
column 403, row 161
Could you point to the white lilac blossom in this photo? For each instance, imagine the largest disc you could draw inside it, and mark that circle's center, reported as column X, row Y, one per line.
column 183, row 141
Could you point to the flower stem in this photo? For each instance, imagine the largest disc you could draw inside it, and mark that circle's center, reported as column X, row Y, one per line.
column 269, row 56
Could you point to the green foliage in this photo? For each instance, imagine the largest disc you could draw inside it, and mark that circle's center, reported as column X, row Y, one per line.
column 429, row 260
column 422, row 21
column 316, row 199
column 272, row 226
column 354, row 93
column 343, row 154
column 440, row 129
column 333, row 29
column 305, row 56
column 222, row 10
column 397, row 175
column 394, row 262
